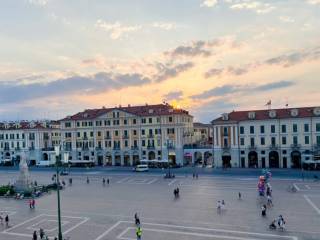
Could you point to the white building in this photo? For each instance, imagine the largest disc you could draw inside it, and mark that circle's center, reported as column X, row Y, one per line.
column 125, row 135
column 35, row 138
column 276, row 138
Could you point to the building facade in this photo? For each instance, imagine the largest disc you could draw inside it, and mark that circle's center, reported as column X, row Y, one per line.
column 123, row 136
column 35, row 139
column 275, row 138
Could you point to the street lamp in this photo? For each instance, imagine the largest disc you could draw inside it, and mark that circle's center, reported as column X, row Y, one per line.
column 58, row 162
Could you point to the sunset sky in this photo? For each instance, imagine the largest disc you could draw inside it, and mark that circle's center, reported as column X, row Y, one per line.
column 58, row 57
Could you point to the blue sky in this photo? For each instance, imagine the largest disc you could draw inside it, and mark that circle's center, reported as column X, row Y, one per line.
column 208, row 56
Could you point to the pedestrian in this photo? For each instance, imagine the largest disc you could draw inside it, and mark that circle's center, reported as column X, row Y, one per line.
column 196, row 175
column 88, row 181
column 41, row 233
column 139, row 233
column 6, row 219
column 269, row 201
column 263, row 210
column 108, row 181
column 193, row 175
column 219, row 207
column 30, row 203
column 70, row 181
column 63, row 183
column 33, row 203
column 35, row 183
column 239, row 195
column 137, row 219
column 35, row 235
column 1, row 219
column 103, row 181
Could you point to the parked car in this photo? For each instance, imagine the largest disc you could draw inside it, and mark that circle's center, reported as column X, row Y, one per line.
column 141, row 168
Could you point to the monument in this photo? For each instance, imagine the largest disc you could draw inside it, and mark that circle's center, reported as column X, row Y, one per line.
column 23, row 183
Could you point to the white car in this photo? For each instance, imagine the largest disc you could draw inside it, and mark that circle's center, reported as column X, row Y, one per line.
column 142, row 168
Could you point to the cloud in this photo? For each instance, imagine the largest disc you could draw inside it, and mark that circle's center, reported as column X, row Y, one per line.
column 286, row 19
column 99, row 82
column 164, row 25
column 39, row 2
column 117, row 29
column 209, row 3
column 165, row 71
column 176, row 95
column 284, row 60
column 201, row 48
column 313, row 2
column 258, row 7
column 230, row 89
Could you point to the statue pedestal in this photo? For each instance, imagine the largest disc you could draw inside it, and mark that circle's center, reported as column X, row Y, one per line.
column 23, row 183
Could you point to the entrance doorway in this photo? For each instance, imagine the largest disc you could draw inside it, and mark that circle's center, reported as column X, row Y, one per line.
column 295, row 159
column 274, row 159
column 226, row 161
column 253, row 159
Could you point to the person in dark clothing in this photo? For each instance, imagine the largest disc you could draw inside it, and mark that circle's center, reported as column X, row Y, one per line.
column 35, row 235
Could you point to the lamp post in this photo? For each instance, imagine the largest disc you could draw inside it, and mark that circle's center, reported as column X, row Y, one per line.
column 58, row 162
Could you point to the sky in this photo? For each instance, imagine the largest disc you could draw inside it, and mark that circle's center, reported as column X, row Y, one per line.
column 59, row 57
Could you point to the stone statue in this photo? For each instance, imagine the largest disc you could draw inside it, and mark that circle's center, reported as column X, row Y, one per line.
column 23, row 183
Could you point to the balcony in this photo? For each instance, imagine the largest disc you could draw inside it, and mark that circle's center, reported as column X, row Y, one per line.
column 252, row 147
column 274, row 147
column 150, row 147
column 226, row 148
column 47, row 149
column 108, row 137
column 295, row 146
column 150, row 136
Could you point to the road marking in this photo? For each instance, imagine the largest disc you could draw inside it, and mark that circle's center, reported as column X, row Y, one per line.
column 20, row 224
column 120, row 236
column 123, row 180
column 77, row 225
column 217, row 230
column 312, row 204
column 108, row 231
column 152, row 181
column 172, row 182
column 295, row 185
column 307, row 186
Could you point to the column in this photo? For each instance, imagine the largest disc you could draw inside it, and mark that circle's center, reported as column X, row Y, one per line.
column 122, row 159
column 131, row 159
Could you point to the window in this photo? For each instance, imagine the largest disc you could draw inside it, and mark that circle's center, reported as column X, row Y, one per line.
column 273, row 141
column 98, row 123
column 170, row 119
column 134, row 121
column 143, row 143
column 150, row 120
column 262, row 129
column 283, row 128
column 78, row 124
column 284, row 140
column 67, row 124
column 225, row 131
column 252, row 142
column 263, row 152
column 143, row 132
column 318, row 140
column 78, row 134
column 91, row 134
column 90, row 124
column 295, row 140
column 273, row 129
column 170, row 131
column 225, row 142
column 134, row 132
column 243, row 152
column 126, row 143
column 125, row 121
column 242, row 141
column 116, row 133
column 262, row 141
column 284, row 152
column 251, row 129
column 241, row 130
column 68, row 134
column 318, row 127
column 306, row 140
column 143, row 120
column 306, row 127
column 295, row 128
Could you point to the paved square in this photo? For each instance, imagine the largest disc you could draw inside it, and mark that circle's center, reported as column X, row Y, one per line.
column 96, row 212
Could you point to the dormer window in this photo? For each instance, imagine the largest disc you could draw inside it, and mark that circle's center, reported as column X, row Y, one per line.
column 225, row 116
column 316, row 111
column 294, row 112
column 272, row 114
column 251, row 115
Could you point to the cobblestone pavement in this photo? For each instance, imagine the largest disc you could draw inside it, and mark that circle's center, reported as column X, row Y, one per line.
column 96, row 212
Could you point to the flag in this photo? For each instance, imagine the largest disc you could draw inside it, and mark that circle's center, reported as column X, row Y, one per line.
column 268, row 103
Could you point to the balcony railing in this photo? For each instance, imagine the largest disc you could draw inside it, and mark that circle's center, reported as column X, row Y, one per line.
column 107, row 137
column 274, row 147
column 47, row 149
column 252, row 147
column 295, row 146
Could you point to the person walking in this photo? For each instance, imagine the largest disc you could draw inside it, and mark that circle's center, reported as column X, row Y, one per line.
column 41, row 233
column 219, row 207
column 263, row 210
column 108, row 181
column 88, row 181
column 239, row 195
column 103, row 181
column 139, row 233
column 70, row 181
column 6, row 219
column 269, row 201
column 1, row 219
column 35, row 235
column 33, row 203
